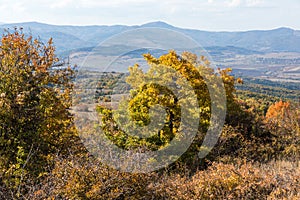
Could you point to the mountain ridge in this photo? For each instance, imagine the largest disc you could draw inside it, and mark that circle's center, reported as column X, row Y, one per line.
column 68, row 37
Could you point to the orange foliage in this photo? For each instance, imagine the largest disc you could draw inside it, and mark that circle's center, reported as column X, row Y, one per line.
column 278, row 110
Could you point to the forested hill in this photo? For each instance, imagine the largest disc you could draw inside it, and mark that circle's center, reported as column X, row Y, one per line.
column 73, row 37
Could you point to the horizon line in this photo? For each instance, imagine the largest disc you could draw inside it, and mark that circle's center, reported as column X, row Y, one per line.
column 143, row 24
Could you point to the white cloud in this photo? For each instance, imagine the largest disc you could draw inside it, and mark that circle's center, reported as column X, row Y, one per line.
column 114, row 3
column 246, row 3
column 60, row 3
column 234, row 3
column 206, row 14
column 253, row 3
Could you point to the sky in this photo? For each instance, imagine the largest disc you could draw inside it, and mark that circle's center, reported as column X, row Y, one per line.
column 212, row 15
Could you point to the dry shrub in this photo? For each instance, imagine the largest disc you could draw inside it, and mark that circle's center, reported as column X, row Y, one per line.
column 84, row 178
column 227, row 181
column 287, row 178
column 234, row 144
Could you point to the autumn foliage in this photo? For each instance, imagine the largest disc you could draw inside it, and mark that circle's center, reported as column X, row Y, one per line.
column 256, row 156
column 35, row 123
column 283, row 120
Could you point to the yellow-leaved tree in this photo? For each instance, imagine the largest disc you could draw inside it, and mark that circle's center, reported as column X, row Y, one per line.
column 148, row 90
column 35, row 122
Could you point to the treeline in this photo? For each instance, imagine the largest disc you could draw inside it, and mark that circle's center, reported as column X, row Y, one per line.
column 271, row 90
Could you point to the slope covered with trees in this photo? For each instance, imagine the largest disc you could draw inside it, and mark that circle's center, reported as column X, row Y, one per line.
column 256, row 156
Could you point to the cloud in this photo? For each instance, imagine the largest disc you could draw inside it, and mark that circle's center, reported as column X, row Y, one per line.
column 206, row 14
column 113, row 3
column 61, row 3
column 234, row 3
column 244, row 3
column 254, row 3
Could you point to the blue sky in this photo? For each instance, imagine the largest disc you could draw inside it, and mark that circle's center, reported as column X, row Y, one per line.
column 214, row 15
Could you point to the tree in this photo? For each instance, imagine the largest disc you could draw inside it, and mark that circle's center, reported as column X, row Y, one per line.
column 35, row 121
column 146, row 94
column 283, row 120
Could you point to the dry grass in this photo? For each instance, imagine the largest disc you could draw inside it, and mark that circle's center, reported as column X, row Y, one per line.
column 84, row 179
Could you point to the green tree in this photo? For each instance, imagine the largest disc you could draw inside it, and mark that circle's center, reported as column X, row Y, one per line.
column 35, row 121
column 146, row 94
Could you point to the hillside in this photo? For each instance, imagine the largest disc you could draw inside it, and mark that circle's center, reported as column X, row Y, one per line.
column 181, row 130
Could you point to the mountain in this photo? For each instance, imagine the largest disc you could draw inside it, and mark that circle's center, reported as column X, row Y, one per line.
column 68, row 38
column 158, row 24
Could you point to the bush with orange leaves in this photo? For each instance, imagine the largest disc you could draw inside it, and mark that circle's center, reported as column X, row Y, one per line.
column 283, row 121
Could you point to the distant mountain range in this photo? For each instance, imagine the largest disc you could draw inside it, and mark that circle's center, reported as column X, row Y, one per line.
column 269, row 54
column 67, row 38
